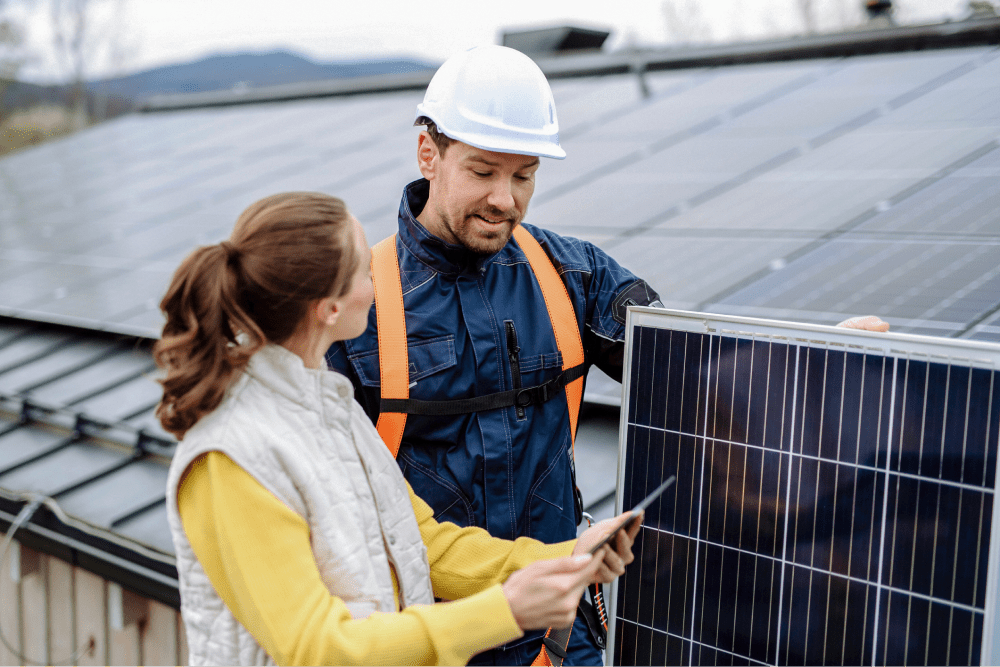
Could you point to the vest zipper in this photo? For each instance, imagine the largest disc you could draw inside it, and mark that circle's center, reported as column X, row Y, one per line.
column 513, row 352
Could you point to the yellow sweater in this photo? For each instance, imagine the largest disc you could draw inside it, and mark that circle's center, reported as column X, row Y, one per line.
column 257, row 554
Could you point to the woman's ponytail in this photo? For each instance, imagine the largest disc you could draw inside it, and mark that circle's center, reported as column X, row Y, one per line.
column 226, row 301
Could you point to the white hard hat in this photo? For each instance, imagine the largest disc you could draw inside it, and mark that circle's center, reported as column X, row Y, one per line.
column 494, row 98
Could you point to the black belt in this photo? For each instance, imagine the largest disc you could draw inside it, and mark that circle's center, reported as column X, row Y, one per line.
column 502, row 399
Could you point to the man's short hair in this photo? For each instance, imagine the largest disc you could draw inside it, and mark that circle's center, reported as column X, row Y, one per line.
column 441, row 140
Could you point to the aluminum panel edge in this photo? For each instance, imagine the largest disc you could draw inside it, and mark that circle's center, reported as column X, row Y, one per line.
column 612, row 602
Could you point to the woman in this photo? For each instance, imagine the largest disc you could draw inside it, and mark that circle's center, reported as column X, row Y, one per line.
column 297, row 538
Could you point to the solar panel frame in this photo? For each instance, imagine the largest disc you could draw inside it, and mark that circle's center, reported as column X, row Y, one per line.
column 890, row 346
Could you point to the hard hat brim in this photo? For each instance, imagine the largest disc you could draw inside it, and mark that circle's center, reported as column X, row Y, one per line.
column 539, row 148
column 536, row 148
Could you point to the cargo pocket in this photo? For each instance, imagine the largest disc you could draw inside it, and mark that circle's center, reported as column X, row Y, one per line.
column 551, row 501
column 444, row 497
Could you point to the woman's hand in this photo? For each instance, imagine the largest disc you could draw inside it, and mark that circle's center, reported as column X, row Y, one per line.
column 547, row 592
column 617, row 553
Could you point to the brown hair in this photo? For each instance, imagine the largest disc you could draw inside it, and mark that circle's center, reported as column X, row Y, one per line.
column 226, row 301
column 441, row 140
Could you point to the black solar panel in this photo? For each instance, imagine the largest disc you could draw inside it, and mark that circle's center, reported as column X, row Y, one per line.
column 700, row 187
column 834, row 502
column 926, row 259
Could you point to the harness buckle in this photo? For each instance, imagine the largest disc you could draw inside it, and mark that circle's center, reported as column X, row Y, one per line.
column 523, row 398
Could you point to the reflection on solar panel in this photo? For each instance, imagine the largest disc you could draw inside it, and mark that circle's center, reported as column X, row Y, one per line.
column 834, row 502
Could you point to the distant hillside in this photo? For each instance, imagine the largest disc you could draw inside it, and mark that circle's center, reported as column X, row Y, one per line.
column 222, row 72
column 219, row 72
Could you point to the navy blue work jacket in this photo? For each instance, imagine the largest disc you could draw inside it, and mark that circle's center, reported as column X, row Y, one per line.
column 474, row 324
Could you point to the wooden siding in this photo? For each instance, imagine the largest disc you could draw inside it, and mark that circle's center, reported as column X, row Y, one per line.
column 53, row 613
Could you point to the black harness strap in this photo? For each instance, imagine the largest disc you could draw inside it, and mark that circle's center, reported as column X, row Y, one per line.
column 503, row 399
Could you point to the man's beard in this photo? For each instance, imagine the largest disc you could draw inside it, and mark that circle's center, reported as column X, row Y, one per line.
column 471, row 235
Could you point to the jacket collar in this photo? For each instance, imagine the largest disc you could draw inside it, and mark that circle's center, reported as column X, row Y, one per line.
column 284, row 373
column 444, row 257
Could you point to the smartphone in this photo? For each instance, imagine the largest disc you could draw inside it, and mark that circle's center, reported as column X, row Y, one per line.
column 646, row 502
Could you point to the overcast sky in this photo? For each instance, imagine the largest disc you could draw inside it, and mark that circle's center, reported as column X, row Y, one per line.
column 147, row 33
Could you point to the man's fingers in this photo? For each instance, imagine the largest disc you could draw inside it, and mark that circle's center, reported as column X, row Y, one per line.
column 866, row 322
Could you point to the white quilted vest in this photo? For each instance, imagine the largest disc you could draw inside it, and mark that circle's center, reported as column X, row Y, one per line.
column 300, row 433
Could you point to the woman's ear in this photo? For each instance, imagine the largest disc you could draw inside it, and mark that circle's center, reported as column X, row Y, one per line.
column 327, row 311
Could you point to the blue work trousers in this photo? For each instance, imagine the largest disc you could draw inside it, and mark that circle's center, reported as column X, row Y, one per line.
column 581, row 650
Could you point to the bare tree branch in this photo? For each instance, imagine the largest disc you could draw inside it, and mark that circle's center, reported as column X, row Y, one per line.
column 807, row 12
column 685, row 22
column 85, row 31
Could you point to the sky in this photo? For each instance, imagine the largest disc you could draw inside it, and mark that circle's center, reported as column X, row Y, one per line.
column 132, row 35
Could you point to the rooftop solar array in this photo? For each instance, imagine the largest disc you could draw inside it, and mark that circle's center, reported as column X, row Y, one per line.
column 809, row 190
column 834, row 501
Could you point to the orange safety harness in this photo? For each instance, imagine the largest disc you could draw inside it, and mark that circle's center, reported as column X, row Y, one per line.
column 394, row 366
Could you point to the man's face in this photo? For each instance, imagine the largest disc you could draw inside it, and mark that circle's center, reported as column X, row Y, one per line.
column 477, row 197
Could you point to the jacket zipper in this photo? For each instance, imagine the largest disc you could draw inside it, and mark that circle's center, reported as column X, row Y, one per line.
column 513, row 352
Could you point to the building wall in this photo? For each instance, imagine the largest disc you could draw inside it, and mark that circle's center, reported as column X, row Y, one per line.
column 50, row 609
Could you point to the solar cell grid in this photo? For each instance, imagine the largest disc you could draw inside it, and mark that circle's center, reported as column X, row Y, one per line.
column 834, row 502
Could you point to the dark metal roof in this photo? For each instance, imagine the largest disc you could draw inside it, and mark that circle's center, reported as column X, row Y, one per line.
column 76, row 426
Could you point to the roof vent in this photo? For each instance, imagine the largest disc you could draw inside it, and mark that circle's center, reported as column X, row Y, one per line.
column 879, row 15
column 551, row 41
column 878, row 8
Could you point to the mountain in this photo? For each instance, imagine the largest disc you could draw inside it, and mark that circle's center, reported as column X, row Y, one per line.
column 221, row 72
column 217, row 72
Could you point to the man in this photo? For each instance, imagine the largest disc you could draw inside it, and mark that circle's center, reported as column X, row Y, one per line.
column 477, row 323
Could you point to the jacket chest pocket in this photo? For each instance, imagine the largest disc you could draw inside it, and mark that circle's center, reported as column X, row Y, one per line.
column 427, row 358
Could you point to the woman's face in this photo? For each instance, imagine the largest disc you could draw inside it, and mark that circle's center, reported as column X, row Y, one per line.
column 356, row 304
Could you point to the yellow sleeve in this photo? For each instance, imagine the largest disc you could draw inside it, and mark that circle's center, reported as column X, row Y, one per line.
column 257, row 554
column 465, row 561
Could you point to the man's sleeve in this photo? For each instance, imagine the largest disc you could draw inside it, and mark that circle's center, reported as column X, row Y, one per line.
column 611, row 289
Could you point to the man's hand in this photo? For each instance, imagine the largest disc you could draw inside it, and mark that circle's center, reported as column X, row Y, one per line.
column 614, row 555
column 547, row 592
column 866, row 322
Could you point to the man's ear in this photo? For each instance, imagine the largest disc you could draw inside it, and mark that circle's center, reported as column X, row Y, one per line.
column 427, row 155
